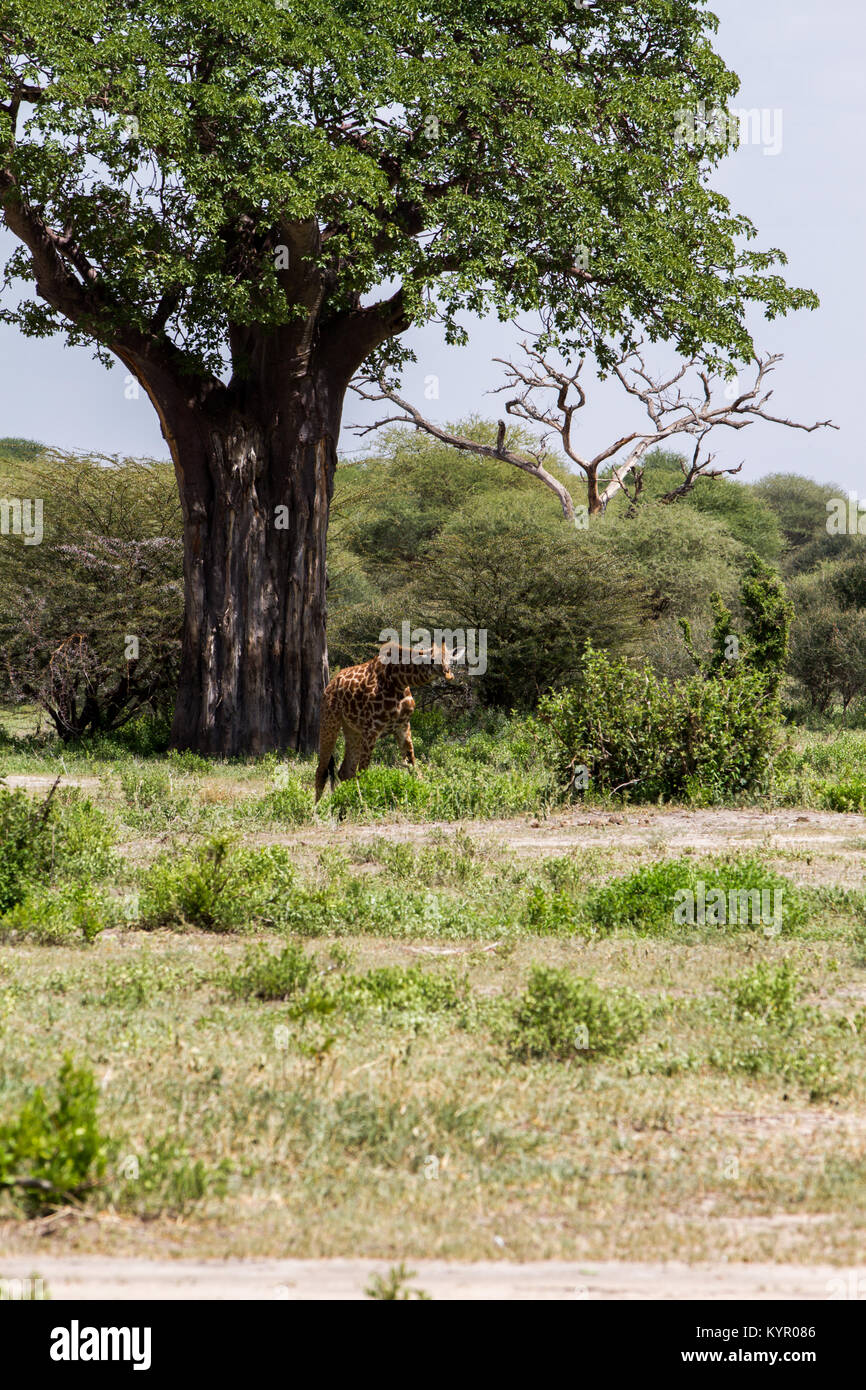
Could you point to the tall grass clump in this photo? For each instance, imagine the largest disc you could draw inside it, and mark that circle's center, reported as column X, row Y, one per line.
column 217, row 887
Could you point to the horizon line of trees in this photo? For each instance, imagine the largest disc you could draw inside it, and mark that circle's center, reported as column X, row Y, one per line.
column 91, row 619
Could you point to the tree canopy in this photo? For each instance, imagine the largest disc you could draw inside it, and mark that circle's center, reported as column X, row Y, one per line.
column 180, row 170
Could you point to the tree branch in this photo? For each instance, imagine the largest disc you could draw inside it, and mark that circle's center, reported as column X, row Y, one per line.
column 671, row 410
column 411, row 416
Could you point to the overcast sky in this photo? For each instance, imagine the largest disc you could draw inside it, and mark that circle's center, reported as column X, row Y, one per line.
column 802, row 60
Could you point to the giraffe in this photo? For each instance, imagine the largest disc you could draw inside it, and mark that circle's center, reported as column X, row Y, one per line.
column 372, row 699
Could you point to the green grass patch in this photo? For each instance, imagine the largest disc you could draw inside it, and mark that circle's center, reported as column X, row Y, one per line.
column 676, row 896
column 54, row 1153
column 570, row 1018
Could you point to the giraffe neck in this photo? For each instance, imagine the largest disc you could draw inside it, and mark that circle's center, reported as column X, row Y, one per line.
column 412, row 673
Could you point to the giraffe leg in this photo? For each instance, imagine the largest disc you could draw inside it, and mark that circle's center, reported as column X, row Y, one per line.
column 329, row 730
column 367, row 746
column 403, row 735
column 353, row 753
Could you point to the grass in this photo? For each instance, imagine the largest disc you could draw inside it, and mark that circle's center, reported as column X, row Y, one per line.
column 380, row 1035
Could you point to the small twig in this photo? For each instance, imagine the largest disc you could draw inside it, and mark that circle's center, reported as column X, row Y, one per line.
column 624, row 784
column 47, row 802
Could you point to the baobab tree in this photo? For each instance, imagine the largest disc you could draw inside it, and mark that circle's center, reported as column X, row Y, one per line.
column 245, row 202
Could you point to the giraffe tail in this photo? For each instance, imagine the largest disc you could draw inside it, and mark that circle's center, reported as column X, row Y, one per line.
column 332, row 773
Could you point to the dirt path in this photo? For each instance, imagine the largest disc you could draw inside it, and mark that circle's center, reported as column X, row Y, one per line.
column 102, row 1277
column 789, row 827
column 829, row 846
column 43, row 782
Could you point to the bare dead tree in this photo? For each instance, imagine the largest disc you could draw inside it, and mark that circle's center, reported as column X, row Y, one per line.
column 530, row 461
column 671, row 407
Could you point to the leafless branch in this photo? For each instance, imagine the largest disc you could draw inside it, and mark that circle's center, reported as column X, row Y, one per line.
column 376, row 391
column 551, row 395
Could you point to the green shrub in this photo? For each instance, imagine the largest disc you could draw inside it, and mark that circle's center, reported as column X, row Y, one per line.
column 653, row 739
column 569, row 1017
column 25, row 844
column 651, row 900
column 62, row 837
column 266, row 975
column 769, row 993
column 59, row 916
column 50, row 1155
column 83, row 839
column 400, row 989
column 849, row 795
column 218, row 888
column 291, row 802
column 551, row 914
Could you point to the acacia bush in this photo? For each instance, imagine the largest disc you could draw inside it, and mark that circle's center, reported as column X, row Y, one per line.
column 653, row 739
column 90, row 618
column 708, row 737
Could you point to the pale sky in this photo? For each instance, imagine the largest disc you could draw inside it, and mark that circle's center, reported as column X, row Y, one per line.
column 803, row 61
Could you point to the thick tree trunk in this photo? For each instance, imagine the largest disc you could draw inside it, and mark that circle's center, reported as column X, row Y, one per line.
column 256, row 488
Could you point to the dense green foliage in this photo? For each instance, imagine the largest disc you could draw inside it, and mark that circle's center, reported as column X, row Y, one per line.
column 567, row 1017
column 25, row 844
column 645, row 901
column 709, row 737
column 629, row 730
column 53, row 853
column 424, row 534
column 90, row 618
column 519, row 136
column 828, row 648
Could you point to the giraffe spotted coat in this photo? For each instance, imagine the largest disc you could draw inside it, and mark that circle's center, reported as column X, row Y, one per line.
column 370, row 700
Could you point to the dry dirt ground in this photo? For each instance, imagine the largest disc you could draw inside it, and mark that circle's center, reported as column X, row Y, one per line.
column 826, row 834
column 104, row 1277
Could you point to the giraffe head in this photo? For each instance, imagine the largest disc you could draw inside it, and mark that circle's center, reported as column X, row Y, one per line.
column 419, row 665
